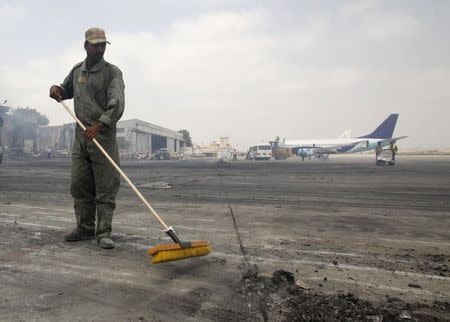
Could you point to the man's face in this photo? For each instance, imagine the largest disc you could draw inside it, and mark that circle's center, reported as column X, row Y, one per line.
column 95, row 52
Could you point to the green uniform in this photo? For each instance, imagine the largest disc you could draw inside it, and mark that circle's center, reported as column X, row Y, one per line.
column 98, row 97
column 394, row 150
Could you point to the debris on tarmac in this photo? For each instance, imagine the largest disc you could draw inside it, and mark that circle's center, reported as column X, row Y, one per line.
column 280, row 298
column 414, row 285
column 156, row 185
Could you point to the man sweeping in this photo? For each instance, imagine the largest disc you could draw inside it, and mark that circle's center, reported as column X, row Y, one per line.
column 97, row 88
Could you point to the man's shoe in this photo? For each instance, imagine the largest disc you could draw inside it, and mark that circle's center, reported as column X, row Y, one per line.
column 105, row 243
column 77, row 235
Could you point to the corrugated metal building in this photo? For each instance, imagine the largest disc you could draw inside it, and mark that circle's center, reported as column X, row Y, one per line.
column 133, row 137
column 136, row 136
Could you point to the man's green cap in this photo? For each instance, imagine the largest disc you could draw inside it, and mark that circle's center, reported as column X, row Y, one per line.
column 95, row 36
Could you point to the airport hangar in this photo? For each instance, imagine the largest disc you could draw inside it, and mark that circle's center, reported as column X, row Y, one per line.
column 133, row 137
column 136, row 136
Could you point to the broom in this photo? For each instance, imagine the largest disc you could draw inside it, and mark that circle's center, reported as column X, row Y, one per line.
column 162, row 252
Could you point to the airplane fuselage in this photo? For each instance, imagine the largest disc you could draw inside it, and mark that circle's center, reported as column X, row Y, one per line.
column 334, row 146
column 381, row 135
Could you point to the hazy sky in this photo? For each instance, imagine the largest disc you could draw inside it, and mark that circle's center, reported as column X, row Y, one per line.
column 250, row 70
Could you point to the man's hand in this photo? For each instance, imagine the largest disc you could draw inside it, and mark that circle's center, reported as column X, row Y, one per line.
column 55, row 93
column 92, row 131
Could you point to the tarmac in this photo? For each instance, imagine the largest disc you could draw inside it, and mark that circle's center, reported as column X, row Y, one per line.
column 290, row 240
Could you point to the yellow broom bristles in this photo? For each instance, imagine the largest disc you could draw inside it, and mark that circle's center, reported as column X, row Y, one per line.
column 176, row 254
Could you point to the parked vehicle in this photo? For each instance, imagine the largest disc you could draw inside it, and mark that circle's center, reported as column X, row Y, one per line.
column 259, row 152
column 161, row 154
column 385, row 158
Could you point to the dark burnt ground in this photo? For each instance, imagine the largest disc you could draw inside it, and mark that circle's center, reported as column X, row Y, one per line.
column 280, row 298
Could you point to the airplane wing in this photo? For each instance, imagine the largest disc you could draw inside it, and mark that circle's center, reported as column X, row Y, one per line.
column 393, row 140
column 398, row 138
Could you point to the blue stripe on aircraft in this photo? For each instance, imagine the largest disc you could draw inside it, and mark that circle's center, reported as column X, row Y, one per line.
column 346, row 148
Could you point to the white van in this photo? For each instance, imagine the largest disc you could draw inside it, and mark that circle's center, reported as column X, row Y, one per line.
column 259, row 152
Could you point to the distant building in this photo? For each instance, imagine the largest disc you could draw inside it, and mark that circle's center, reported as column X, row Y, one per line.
column 136, row 136
column 17, row 137
column 59, row 138
column 133, row 137
column 222, row 148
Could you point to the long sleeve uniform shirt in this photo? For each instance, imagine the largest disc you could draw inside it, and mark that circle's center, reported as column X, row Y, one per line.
column 99, row 94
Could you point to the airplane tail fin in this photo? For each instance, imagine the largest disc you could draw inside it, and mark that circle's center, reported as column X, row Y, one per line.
column 385, row 129
column 346, row 135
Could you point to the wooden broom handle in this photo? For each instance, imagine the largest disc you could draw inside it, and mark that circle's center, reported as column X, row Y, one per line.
column 114, row 164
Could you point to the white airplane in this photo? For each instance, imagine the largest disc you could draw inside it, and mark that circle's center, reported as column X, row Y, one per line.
column 344, row 144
